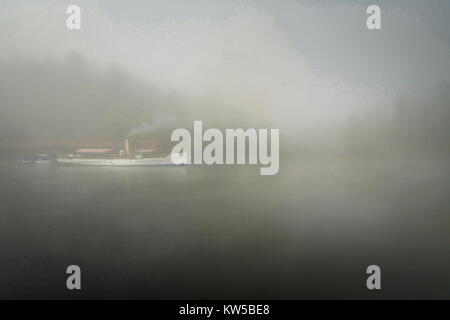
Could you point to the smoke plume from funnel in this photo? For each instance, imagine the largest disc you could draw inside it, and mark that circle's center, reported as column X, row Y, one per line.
column 159, row 120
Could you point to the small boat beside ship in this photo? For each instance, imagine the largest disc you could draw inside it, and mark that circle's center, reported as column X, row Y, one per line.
column 37, row 159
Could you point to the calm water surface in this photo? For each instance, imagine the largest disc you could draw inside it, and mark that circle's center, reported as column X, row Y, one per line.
column 226, row 232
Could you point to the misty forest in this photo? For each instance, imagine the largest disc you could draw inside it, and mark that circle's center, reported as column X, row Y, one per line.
column 73, row 101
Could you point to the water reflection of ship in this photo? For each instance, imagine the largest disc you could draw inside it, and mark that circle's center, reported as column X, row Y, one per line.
column 132, row 155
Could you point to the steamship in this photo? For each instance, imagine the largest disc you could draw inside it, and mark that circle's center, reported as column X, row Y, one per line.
column 125, row 158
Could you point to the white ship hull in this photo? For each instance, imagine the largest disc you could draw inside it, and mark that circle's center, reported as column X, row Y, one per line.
column 123, row 162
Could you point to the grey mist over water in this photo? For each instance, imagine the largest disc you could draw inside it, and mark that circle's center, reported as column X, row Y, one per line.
column 364, row 172
column 215, row 232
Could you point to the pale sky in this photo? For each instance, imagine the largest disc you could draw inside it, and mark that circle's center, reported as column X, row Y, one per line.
column 411, row 50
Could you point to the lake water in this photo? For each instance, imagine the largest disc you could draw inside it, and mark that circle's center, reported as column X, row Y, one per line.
column 227, row 232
